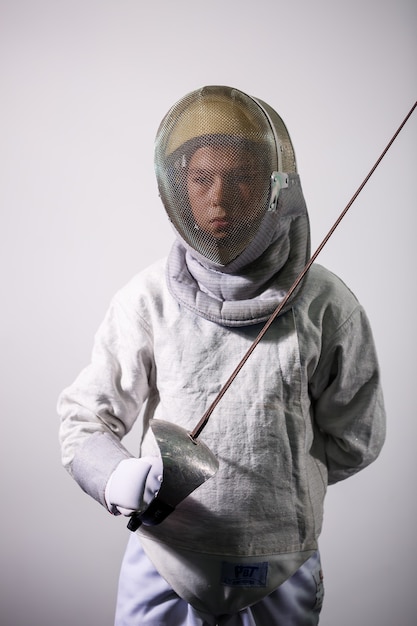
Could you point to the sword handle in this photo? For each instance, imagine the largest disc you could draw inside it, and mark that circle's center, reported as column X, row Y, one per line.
column 134, row 522
column 156, row 512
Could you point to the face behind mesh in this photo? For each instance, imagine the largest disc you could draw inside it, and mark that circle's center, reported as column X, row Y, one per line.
column 214, row 155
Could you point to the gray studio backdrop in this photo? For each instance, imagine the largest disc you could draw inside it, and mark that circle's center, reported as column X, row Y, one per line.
column 84, row 85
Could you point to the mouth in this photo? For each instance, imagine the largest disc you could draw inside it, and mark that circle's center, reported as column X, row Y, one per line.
column 220, row 222
column 220, row 227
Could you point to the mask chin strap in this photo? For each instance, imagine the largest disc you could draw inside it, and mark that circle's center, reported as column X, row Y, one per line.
column 279, row 180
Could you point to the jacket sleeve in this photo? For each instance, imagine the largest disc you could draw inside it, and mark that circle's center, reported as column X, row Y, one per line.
column 347, row 398
column 103, row 403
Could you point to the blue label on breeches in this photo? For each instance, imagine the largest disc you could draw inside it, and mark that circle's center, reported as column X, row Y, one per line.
column 244, row 575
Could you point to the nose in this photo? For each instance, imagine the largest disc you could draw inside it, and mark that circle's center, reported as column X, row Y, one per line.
column 219, row 191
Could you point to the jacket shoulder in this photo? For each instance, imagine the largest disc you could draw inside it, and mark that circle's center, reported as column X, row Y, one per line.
column 326, row 303
column 148, row 284
column 322, row 287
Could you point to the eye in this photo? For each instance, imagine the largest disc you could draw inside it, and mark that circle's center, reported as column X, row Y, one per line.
column 240, row 177
column 204, row 179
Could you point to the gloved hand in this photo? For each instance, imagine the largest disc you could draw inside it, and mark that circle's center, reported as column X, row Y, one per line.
column 133, row 485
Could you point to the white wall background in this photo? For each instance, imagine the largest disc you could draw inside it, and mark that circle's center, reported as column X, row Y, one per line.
column 84, row 84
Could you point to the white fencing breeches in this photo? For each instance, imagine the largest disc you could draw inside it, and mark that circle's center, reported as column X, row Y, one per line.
column 146, row 599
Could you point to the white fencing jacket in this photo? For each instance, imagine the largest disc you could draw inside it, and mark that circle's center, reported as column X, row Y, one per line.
column 305, row 411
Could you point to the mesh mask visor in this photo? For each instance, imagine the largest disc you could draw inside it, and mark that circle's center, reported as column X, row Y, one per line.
column 215, row 152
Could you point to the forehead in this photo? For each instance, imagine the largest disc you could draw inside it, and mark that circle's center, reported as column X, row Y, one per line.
column 220, row 158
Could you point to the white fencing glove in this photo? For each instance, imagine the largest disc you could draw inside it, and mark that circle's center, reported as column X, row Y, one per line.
column 133, row 485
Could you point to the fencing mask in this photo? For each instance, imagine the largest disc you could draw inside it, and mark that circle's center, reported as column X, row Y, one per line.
column 221, row 158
